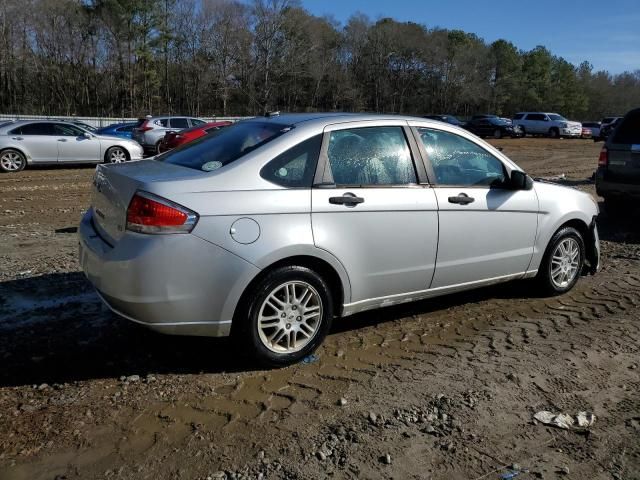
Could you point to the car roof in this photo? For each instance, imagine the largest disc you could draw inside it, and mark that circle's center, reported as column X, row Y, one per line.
column 19, row 123
column 331, row 118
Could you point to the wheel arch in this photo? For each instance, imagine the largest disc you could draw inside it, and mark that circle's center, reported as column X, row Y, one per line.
column 322, row 267
column 17, row 149
column 117, row 145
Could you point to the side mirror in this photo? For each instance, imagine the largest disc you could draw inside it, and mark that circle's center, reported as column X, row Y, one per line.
column 520, row 181
column 86, row 135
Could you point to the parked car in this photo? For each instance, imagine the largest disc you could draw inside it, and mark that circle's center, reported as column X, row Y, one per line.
column 618, row 173
column 493, row 126
column 586, row 133
column 549, row 124
column 150, row 131
column 594, row 127
column 446, row 118
column 606, row 130
column 274, row 226
column 124, row 130
column 172, row 139
column 30, row 142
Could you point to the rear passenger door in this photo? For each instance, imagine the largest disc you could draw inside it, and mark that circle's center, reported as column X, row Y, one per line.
column 372, row 209
column 36, row 140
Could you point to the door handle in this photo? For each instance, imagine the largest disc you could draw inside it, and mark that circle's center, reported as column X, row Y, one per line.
column 462, row 199
column 17, row 138
column 349, row 199
column 62, row 139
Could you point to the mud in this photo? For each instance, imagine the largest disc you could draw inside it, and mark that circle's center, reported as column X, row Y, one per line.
column 442, row 389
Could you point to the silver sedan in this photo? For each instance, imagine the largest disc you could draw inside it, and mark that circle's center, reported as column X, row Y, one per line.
column 272, row 228
column 30, row 142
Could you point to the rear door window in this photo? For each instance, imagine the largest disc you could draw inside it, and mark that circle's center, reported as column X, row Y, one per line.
column 518, row 116
column 628, row 131
column 34, row 129
column 536, row 117
column 179, row 123
column 370, row 156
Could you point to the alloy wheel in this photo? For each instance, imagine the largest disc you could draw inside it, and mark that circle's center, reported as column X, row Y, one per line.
column 290, row 317
column 11, row 161
column 565, row 261
column 117, row 155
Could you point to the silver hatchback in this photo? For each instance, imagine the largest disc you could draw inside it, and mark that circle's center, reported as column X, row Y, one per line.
column 271, row 228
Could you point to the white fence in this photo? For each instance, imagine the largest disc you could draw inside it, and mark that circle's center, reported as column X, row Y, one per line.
column 101, row 121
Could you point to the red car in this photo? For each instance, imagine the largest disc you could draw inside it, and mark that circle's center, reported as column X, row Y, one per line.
column 172, row 140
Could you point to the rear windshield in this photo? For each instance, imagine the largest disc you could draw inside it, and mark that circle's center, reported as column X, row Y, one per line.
column 628, row 131
column 222, row 147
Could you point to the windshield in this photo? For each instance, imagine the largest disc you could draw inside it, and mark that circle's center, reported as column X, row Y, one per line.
column 556, row 117
column 222, row 147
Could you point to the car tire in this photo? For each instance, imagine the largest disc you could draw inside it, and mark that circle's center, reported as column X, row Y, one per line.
column 12, row 161
column 274, row 317
column 554, row 133
column 157, row 147
column 116, row 155
column 562, row 263
column 497, row 134
column 524, row 132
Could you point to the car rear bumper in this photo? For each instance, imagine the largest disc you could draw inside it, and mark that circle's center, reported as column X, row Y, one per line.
column 176, row 284
column 608, row 188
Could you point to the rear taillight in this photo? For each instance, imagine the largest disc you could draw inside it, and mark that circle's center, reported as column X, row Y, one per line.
column 603, row 160
column 148, row 213
column 144, row 127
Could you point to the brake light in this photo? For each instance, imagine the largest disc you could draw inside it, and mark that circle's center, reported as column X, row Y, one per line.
column 148, row 213
column 144, row 127
column 603, row 160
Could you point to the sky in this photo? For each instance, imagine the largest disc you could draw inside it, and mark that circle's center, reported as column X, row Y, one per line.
column 606, row 33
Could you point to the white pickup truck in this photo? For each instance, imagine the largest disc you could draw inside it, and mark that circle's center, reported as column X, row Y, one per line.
column 551, row 124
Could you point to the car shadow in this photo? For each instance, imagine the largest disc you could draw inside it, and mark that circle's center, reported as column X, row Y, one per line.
column 54, row 329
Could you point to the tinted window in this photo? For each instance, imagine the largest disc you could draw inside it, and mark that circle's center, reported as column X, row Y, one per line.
column 296, row 166
column 179, row 123
column 628, row 130
column 33, row 129
column 458, row 161
column 195, row 121
column 557, row 118
column 371, row 156
column 518, row 116
column 66, row 130
column 223, row 146
column 163, row 122
column 536, row 116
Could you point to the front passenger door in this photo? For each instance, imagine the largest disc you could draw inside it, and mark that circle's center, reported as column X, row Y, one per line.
column 74, row 145
column 487, row 231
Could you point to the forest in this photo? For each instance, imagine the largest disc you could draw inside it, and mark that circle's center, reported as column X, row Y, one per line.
column 227, row 57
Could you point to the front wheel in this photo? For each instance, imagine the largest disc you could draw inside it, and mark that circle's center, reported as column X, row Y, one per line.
column 12, row 161
column 116, row 155
column 563, row 262
column 554, row 133
column 288, row 317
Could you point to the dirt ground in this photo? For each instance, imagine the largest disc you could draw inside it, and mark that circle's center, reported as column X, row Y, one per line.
column 442, row 389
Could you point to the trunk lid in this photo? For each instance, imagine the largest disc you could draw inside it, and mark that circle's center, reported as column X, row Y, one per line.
column 114, row 185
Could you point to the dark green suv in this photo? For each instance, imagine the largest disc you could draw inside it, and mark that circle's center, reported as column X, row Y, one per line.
column 618, row 174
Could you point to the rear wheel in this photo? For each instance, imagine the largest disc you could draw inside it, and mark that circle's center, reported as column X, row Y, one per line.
column 289, row 314
column 563, row 262
column 524, row 132
column 497, row 133
column 116, row 155
column 12, row 161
